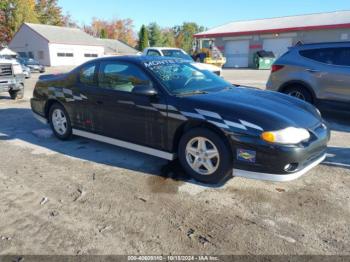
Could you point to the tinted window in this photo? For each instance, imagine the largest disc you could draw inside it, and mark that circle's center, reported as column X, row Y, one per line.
column 87, row 75
column 331, row 56
column 121, row 76
column 153, row 53
column 343, row 57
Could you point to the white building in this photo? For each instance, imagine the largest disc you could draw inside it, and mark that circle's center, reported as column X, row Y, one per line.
column 56, row 46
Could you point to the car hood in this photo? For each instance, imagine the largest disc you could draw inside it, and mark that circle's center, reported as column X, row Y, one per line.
column 268, row 110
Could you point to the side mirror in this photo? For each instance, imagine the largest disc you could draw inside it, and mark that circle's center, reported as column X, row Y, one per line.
column 144, row 90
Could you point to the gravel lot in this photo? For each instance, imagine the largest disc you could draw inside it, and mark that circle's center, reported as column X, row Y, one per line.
column 84, row 197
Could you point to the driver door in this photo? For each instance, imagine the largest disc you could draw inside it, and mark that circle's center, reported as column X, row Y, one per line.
column 128, row 116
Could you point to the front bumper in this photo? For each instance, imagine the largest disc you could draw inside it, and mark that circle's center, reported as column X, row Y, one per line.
column 278, row 162
column 278, row 177
column 6, row 86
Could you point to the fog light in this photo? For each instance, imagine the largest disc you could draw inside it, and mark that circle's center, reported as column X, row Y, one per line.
column 291, row 167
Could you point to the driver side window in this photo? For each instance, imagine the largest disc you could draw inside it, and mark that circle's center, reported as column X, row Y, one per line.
column 87, row 75
column 120, row 76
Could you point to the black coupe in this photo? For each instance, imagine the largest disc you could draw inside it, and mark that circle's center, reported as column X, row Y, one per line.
column 171, row 109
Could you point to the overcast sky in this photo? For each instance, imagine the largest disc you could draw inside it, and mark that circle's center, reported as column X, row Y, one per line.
column 204, row 12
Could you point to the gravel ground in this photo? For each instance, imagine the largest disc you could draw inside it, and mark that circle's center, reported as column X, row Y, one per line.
column 84, row 197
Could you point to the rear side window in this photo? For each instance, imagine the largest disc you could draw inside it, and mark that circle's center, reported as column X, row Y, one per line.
column 87, row 75
column 153, row 53
column 330, row 56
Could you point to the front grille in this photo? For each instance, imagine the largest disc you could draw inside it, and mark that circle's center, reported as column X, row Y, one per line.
column 5, row 70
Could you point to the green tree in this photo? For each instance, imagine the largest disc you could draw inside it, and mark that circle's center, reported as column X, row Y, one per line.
column 143, row 38
column 155, row 35
column 12, row 14
column 48, row 12
column 168, row 38
column 184, row 35
column 103, row 33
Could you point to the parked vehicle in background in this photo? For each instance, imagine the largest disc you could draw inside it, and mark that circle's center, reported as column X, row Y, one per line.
column 11, row 78
column 26, row 71
column 33, row 64
column 205, row 51
column 316, row 73
column 179, row 53
column 169, row 108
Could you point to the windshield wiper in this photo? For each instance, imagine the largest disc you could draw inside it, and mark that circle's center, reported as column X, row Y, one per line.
column 195, row 92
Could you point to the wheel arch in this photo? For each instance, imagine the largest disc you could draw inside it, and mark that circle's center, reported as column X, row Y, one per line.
column 48, row 105
column 300, row 83
column 195, row 124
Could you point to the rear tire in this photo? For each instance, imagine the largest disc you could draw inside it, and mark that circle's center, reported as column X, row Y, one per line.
column 300, row 92
column 17, row 94
column 60, row 122
column 205, row 156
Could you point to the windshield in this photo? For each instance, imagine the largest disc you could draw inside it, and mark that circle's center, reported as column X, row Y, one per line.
column 177, row 54
column 181, row 78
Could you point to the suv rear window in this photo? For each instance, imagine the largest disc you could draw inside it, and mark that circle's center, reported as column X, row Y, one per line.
column 331, row 56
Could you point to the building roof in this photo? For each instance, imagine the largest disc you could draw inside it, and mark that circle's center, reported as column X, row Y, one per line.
column 113, row 46
column 64, row 35
column 8, row 52
column 332, row 20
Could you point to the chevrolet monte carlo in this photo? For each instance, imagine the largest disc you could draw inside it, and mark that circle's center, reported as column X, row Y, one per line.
column 171, row 109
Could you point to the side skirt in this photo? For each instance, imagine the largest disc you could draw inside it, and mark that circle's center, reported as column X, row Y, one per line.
column 120, row 143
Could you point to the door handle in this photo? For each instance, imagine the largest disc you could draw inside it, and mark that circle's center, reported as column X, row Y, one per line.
column 313, row 71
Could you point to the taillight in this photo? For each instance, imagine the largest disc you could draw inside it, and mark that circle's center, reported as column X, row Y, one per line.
column 276, row 68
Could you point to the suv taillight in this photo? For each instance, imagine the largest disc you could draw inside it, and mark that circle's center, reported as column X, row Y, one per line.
column 276, row 68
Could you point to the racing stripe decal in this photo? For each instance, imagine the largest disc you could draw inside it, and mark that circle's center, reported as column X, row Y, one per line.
column 65, row 94
column 193, row 115
column 245, row 123
column 236, row 125
column 221, row 125
column 177, row 116
column 209, row 114
column 165, row 110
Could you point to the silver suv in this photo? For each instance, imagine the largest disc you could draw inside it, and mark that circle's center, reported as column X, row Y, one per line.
column 316, row 73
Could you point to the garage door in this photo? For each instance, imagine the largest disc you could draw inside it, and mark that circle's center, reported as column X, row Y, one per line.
column 277, row 46
column 237, row 53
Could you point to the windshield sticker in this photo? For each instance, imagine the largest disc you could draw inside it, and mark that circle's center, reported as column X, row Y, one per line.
column 163, row 62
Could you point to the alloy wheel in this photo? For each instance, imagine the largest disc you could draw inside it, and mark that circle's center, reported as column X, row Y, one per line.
column 202, row 156
column 59, row 121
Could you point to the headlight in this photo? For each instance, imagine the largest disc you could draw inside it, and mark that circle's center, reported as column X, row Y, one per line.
column 288, row 136
column 17, row 69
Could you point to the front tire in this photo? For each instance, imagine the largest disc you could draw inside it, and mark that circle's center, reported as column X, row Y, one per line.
column 60, row 122
column 205, row 156
column 300, row 92
column 17, row 94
